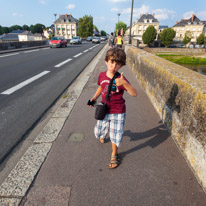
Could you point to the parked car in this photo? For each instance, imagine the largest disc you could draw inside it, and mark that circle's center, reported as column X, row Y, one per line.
column 96, row 40
column 181, row 46
column 89, row 38
column 103, row 38
column 76, row 40
column 58, row 41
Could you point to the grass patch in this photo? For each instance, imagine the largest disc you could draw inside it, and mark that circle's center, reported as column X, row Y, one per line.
column 181, row 59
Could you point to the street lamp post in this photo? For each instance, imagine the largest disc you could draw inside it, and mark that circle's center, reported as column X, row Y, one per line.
column 118, row 16
column 130, row 40
column 55, row 16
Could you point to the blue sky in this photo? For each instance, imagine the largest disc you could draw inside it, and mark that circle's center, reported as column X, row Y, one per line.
column 104, row 12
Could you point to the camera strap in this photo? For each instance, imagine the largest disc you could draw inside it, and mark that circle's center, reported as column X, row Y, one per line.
column 110, row 86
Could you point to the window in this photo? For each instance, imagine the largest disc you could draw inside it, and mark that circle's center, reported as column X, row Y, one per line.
column 145, row 27
column 140, row 27
column 199, row 29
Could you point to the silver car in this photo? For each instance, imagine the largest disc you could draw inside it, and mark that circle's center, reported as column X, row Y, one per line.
column 76, row 40
column 96, row 40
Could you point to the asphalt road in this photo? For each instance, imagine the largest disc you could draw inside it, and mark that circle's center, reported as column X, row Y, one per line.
column 31, row 81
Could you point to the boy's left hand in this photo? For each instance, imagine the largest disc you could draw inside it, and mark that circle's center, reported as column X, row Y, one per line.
column 120, row 81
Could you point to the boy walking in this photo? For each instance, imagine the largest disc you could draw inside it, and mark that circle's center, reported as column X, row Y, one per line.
column 115, row 117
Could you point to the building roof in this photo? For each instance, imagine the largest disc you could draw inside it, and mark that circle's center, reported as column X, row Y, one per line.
column 163, row 27
column 27, row 33
column 66, row 19
column 9, row 37
column 192, row 21
column 17, row 31
column 147, row 16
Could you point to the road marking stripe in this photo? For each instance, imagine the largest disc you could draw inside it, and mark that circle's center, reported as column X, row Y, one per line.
column 86, row 50
column 78, row 55
column 7, row 55
column 31, row 51
column 24, row 83
column 64, row 62
column 45, row 48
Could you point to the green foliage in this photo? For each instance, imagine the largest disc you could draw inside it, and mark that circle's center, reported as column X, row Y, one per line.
column 167, row 36
column 149, row 35
column 103, row 33
column 201, row 39
column 181, row 59
column 15, row 27
column 4, row 30
column 119, row 26
column 85, row 26
column 50, row 36
column 25, row 27
column 187, row 37
column 37, row 28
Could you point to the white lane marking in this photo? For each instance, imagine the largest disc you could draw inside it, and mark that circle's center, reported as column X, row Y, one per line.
column 31, row 51
column 78, row 55
column 24, row 83
column 64, row 62
column 86, row 50
column 45, row 48
column 7, row 55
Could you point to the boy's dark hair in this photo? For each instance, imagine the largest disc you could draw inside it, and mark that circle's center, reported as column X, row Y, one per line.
column 112, row 33
column 116, row 54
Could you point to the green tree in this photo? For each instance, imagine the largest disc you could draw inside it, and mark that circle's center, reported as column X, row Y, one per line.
column 149, row 35
column 51, row 35
column 103, row 33
column 85, row 28
column 37, row 28
column 4, row 30
column 119, row 26
column 15, row 27
column 25, row 27
column 201, row 39
column 0, row 30
column 187, row 37
column 167, row 36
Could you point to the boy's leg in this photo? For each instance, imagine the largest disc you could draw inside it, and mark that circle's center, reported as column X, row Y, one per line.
column 101, row 128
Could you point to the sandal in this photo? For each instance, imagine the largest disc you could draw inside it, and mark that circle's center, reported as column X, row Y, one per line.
column 114, row 163
column 101, row 140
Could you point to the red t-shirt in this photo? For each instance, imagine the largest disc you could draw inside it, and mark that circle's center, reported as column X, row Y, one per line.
column 116, row 102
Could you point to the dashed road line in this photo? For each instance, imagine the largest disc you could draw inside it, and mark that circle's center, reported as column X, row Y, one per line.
column 78, row 55
column 7, row 55
column 86, row 50
column 62, row 63
column 24, row 83
column 31, row 51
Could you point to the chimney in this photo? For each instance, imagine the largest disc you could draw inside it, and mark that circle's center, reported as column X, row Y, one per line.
column 177, row 22
column 146, row 14
column 193, row 16
column 66, row 15
column 59, row 15
column 154, row 14
column 181, row 19
column 140, row 15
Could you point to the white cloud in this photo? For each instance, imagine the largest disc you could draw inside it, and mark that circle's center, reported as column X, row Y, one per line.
column 114, row 9
column 43, row 2
column 163, row 14
column 17, row 15
column 188, row 14
column 70, row 6
column 117, row 1
column 201, row 15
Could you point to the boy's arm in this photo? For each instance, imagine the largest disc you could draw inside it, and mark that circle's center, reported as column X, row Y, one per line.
column 97, row 94
column 122, row 82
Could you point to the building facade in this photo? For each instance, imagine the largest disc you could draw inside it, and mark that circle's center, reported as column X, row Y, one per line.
column 193, row 25
column 141, row 24
column 66, row 25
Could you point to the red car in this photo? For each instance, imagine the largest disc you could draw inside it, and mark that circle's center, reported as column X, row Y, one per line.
column 58, row 41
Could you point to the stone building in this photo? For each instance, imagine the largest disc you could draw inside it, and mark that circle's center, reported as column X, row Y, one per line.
column 194, row 25
column 141, row 24
column 66, row 25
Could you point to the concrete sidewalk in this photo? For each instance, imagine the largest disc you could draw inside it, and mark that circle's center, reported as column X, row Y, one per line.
column 152, row 170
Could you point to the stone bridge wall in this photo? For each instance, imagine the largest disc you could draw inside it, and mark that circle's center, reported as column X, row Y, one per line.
column 179, row 96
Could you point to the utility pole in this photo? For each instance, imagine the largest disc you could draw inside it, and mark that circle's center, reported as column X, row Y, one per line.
column 130, row 39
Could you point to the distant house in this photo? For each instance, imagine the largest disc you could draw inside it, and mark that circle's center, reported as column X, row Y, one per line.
column 66, row 25
column 12, row 36
column 47, row 32
column 141, row 24
column 26, row 36
column 193, row 25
